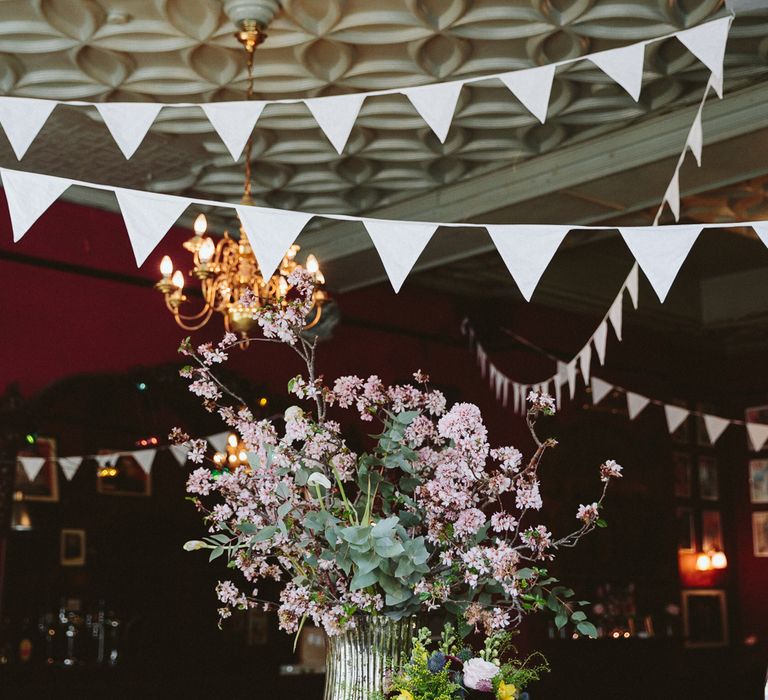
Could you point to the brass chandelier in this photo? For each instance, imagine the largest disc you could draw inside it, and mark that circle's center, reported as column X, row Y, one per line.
column 227, row 270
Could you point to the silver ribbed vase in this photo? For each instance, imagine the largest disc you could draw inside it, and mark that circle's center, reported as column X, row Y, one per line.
column 359, row 661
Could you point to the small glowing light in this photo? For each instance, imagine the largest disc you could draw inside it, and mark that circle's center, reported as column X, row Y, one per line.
column 232, row 440
column 30, row 438
column 201, row 224
column 243, row 456
column 218, row 457
column 703, row 562
column 232, row 459
column 312, row 265
column 320, row 277
column 153, row 440
column 283, row 287
column 263, row 401
column 615, row 635
column 207, row 249
column 574, row 636
column 142, row 386
column 178, row 280
column 291, row 254
column 719, row 560
column 166, row 266
column 626, row 635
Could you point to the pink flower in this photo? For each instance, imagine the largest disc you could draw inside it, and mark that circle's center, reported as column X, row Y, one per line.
column 478, row 674
column 199, row 482
column 541, row 402
column 610, row 470
column 588, row 514
column 468, row 523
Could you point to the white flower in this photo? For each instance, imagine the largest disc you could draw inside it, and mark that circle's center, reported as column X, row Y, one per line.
column 318, row 478
column 193, row 545
column 293, row 413
column 478, row 674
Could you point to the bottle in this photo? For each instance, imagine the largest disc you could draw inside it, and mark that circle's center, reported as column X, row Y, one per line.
column 26, row 645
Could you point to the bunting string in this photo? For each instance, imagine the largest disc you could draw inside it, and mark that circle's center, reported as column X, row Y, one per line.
column 502, row 386
column 145, row 456
column 22, row 118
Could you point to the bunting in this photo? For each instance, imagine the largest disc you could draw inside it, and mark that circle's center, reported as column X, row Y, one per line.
column 22, row 118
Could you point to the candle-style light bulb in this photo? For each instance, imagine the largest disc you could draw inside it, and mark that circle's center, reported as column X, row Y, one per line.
column 703, row 562
column 166, row 267
column 178, row 280
column 201, row 224
column 320, row 277
column 312, row 266
column 719, row 560
column 207, row 250
column 232, row 440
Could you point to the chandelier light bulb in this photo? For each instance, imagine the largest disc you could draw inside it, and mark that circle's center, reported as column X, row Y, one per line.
column 719, row 560
column 320, row 277
column 312, row 266
column 201, row 224
column 166, row 266
column 178, row 280
column 703, row 562
column 232, row 440
column 207, row 250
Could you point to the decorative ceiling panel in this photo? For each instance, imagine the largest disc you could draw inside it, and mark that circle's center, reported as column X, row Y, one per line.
column 184, row 51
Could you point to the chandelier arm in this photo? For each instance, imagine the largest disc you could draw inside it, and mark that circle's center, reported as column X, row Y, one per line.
column 316, row 319
column 206, row 312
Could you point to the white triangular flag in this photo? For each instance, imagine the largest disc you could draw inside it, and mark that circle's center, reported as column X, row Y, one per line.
column 145, row 458
column 22, row 118
column 28, row 196
column 218, row 441
column 271, row 232
column 600, row 390
column 527, row 250
column 660, row 251
column 672, row 195
column 585, row 362
column 716, row 83
column 516, row 397
column 336, row 116
column 758, row 435
column 234, row 122
column 675, row 416
column 615, row 314
column 482, row 360
column 179, row 453
column 571, row 374
column 523, row 389
column 633, row 284
column 128, row 122
column 623, row 65
column 532, row 87
column 558, row 393
column 695, row 140
column 32, row 466
column 715, row 427
column 436, row 105
column 399, row 244
column 635, row 404
column 761, row 229
column 505, row 393
column 148, row 216
column 70, row 465
column 707, row 43
column 600, row 339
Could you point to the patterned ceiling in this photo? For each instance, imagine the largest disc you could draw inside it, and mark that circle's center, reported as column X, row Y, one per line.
column 183, row 50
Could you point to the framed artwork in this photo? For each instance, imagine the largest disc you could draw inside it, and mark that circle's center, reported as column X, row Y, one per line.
column 686, row 532
column 709, row 483
column 72, row 548
column 45, row 486
column 760, row 533
column 682, row 436
column 711, row 530
column 121, row 475
column 681, row 464
column 705, row 621
column 758, row 480
column 756, row 414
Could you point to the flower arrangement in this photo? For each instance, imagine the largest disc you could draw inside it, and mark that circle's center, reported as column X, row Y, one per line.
column 454, row 670
column 430, row 516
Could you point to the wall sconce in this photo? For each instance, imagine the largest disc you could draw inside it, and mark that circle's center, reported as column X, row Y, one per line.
column 20, row 520
column 714, row 559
